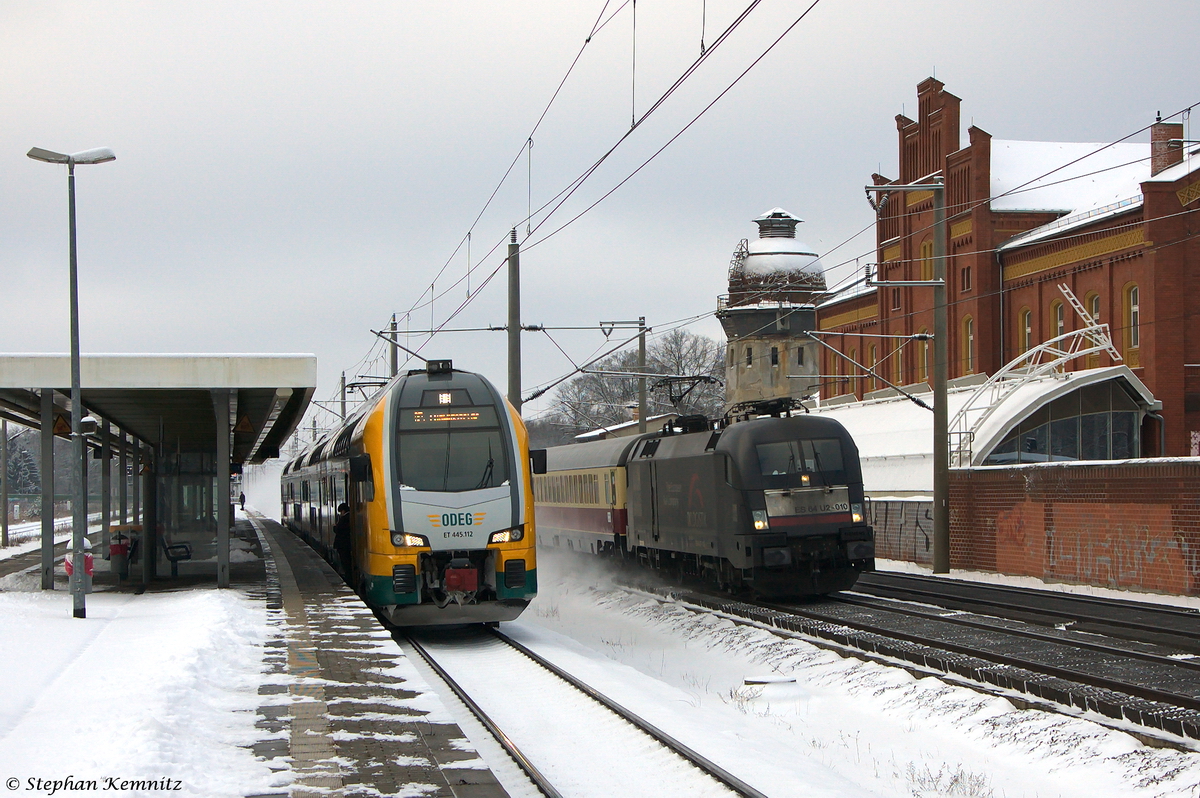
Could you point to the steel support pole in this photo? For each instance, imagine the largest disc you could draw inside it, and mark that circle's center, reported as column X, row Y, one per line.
column 135, row 516
column 642, row 369
column 514, row 322
column 151, row 457
column 343, row 396
column 123, row 468
column 105, row 486
column 395, row 362
column 47, row 414
column 941, row 368
column 221, row 408
column 4, row 482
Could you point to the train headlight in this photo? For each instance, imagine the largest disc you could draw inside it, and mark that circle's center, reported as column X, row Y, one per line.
column 760, row 519
column 507, row 535
column 405, row 539
column 805, row 479
column 856, row 514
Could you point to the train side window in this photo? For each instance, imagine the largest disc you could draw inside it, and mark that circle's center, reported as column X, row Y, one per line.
column 363, row 477
column 728, row 471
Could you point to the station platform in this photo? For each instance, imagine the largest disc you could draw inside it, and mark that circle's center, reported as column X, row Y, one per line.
column 340, row 711
column 346, row 718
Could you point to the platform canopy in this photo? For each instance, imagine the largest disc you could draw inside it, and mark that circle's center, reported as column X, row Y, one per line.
column 171, row 397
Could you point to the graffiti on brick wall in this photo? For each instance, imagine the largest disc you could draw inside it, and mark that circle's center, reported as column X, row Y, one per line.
column 1117, row 545
column 1021, row 540
column 903, row 529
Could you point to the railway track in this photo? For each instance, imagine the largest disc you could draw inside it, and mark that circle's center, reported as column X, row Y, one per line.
column 1143, row 684
column 1136, row 621
column 572, row 722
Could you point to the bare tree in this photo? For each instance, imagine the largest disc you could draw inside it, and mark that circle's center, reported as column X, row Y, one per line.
column 597, row 400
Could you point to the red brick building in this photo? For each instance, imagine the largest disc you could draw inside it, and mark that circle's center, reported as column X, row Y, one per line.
column 1119, row 225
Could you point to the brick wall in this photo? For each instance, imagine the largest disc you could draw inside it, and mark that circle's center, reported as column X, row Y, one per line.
column 903, row 529
column 1133, row 525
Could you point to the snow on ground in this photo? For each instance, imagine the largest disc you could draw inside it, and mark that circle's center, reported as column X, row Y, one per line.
column 158, row 686
column 841, row 720
column 27, row 536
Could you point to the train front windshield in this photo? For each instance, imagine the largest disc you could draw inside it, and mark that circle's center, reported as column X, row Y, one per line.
column 786, row 461
column 451, row 450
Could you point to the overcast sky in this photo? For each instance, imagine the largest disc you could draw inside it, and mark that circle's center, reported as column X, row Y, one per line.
column 289, row 174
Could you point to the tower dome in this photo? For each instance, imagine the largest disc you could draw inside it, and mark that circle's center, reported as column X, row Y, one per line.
column 775, row 266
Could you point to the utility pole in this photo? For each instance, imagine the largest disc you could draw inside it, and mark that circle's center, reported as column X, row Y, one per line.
column 514, row 322
column 642, row 369
column 941, row 368
column 395, row 347
column 343, row 396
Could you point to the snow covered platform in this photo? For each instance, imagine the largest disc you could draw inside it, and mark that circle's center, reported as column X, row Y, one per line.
column 354, row 714
column 283, row 685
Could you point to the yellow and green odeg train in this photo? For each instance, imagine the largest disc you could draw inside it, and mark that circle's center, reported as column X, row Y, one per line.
column 435, row 469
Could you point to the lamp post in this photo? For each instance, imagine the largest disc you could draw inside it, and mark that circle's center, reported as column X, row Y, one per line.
column 79, row 498
column 941, row 367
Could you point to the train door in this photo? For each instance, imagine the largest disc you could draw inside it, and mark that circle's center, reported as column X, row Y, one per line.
column 654, row 500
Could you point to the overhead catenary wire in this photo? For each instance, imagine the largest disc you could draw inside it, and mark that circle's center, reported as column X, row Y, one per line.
column 578, row 182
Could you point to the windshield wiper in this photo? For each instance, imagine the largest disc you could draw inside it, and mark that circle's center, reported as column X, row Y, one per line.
column 488, row 469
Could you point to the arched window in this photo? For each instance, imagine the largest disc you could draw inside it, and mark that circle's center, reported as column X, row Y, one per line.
column 1135, row 317
column 851, row 385
column 899, row 365
column 1058, row 322
column 1133, row 323
column 1092, row 303
column 1026, row 329
column 874, row 363
column 968, row 345
column 923, row 359
column 927, row 259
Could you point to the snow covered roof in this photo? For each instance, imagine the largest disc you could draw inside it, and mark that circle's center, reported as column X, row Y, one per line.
column 1098, row 175
column 895, row 436
column 624, row 428
column 1073, row 221
column 1189, row 164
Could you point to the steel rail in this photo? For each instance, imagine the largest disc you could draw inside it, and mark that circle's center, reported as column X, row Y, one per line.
column 888, row 604
column 540, row 781
column 1078, row 608
column 1068, row 673
column 706, row 765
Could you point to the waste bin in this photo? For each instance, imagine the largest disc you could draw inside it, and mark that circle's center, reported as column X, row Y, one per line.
column 89, row 565
column 118, row 555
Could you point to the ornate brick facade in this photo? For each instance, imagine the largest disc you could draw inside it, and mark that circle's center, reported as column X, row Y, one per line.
column 1133, row 259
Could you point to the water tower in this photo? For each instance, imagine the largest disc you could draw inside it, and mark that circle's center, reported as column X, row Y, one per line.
column 773, row 281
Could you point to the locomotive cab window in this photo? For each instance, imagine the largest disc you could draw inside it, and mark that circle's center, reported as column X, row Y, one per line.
column 452, row 449
column 799, row 461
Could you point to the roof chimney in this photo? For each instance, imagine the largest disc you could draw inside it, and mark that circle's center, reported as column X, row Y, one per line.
column 777, row 223
column 1163, row 154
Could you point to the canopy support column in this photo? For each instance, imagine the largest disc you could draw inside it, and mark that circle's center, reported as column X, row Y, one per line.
column 47, row 414
column 220, row 399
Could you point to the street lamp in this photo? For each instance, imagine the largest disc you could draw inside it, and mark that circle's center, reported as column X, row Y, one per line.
column 79, row 501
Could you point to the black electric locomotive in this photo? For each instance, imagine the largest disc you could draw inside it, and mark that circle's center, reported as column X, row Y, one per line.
column 772, row 504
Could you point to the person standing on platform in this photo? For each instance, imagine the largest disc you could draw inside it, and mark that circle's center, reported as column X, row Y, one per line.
column 242, row 499
column 341, row 539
